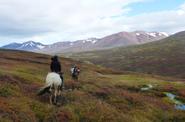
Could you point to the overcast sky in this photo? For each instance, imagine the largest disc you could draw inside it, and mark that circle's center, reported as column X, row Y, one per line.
column 50, row 21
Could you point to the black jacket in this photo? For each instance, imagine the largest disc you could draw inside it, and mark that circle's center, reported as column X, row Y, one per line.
column 55, row 66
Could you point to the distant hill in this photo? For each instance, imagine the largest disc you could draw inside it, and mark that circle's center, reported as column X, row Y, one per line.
column 164, row 57
column 27, row 46
column 110, row 41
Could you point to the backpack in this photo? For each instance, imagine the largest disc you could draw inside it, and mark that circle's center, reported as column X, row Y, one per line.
column 72, row 70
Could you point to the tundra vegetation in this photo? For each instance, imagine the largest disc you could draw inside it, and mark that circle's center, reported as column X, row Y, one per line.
column 101, row 94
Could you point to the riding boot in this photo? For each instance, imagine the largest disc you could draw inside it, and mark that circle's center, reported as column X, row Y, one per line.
column 62, row 78
column 62, row 88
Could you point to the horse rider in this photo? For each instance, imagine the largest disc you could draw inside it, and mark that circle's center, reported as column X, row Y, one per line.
column 55, row 66
column 75, row 72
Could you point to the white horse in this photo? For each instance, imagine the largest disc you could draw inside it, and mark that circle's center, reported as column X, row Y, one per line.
column 54, row 85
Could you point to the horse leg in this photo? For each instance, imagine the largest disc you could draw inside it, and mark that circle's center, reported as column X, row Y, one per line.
column 50, row 99
column 51, row 92
column 55, row 96
column 59, row 91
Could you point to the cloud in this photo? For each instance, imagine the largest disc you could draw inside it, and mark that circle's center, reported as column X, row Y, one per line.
column 26, row 18
column 61, row 20
column 170, row 21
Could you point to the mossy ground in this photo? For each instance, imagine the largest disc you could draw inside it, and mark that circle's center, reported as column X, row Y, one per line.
column 101, row 94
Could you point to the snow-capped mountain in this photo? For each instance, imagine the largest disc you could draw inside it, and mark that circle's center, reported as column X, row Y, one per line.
column 28, row 46
column 130, row 38
column 111, row 41
column 69, row 46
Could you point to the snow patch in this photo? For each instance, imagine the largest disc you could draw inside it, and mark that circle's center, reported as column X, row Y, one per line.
column 89, row 40
column 152, row 34
column 138, row 34
column 71, row 44
column 94, row 41
column 40, row 46
column 164, row 33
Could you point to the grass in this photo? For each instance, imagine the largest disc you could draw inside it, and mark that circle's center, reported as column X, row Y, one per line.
column 7, row 90
column 101, row 94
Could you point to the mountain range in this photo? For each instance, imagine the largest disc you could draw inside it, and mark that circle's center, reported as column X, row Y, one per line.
column 164, row 57
column 110, row 41
column 27, row 46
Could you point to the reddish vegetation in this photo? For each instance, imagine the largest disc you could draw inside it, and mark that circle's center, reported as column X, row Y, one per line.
column 6, row 111
column 30, row 88
column 63, row 116
column 43, row 98
column 102, row 93
column 71, row 84
column 25, row 87
column 8, row 79
column 138, row 99
column 11, row 113
column 133, row 98
column 93, row 98
column 182, row 92
column 169, row 88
